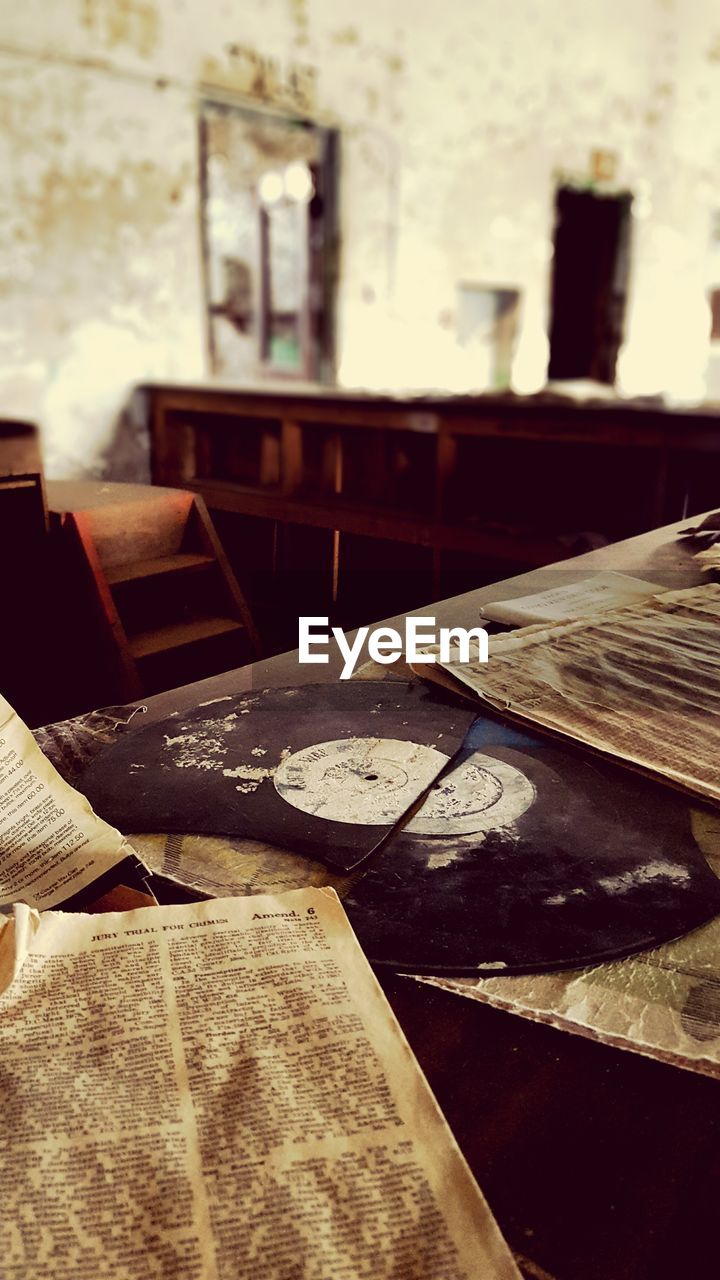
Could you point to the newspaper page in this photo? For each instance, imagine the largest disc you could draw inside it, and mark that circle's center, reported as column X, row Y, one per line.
column 597, row 593
column 640, row 683
column 220, row 1091
column 52, row 845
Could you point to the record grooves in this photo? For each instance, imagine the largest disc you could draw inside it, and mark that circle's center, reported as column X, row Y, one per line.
column 526, row 854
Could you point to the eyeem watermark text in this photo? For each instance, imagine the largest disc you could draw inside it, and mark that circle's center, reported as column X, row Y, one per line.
column 386, row 645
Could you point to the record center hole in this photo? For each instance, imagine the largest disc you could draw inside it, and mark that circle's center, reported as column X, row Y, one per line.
column 371, row 777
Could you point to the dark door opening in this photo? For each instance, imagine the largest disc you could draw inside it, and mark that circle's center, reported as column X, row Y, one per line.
column 589, row 286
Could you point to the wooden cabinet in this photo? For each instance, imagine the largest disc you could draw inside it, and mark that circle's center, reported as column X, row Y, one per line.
column 468, row 486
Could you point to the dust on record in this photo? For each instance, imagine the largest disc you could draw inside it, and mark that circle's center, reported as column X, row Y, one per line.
column 530, row 856
column 299, row 768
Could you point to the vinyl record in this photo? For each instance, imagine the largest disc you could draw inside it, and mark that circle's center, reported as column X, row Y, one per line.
column 528, row 856
column 325, row 770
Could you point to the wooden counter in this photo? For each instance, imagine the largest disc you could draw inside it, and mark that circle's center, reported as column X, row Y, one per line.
column 433, row 492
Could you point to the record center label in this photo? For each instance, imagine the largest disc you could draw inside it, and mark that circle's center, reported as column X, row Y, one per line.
column 366, row 781
column 373, row 781
column 481, row 795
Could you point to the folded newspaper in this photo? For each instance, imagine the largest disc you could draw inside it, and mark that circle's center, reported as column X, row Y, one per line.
column 53, row 847
column 639, row 683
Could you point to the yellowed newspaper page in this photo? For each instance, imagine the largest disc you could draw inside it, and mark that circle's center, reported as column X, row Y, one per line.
column 220, row 1090
column 52, row 845
column 641, row 683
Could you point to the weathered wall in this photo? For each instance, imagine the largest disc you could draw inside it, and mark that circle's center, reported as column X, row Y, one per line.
column 456, row 122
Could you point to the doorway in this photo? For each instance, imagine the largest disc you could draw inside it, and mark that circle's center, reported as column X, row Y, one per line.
column 589, row 284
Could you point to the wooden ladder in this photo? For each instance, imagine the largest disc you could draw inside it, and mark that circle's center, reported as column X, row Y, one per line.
column 165, row 603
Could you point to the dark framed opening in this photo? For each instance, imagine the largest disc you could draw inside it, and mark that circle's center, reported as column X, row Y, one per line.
column 270, row 243
column 589, row 283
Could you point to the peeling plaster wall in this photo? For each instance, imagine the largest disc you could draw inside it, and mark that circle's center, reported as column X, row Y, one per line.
column 455, row 125
column 100, row 283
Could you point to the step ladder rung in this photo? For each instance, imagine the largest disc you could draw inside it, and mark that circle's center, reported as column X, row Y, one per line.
column 175, row 635
column 157, row 567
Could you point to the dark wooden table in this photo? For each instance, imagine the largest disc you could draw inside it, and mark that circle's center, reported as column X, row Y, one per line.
column 598, row 1164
